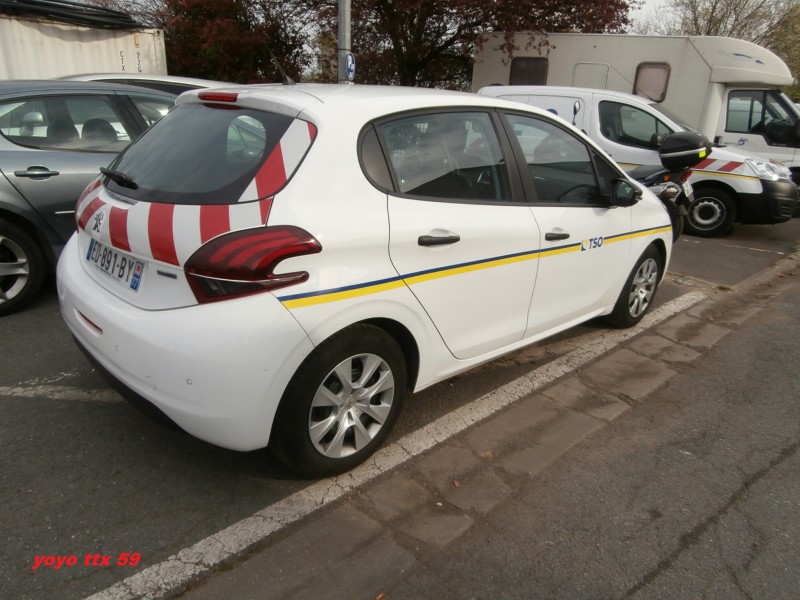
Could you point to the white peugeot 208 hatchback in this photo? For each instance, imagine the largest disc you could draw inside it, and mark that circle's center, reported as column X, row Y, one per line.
column 278, row 265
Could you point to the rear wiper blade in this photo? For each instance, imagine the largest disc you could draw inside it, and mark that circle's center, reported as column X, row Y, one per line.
column 120, row 178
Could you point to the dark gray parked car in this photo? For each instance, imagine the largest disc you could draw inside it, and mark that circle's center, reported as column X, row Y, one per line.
column 54, row 137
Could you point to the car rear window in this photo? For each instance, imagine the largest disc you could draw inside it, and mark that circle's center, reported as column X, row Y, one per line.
column 213, row 154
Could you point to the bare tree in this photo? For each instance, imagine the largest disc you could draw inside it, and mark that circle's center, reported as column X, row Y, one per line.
column 753, row 20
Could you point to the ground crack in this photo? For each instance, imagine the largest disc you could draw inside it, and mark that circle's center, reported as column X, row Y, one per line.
column 692, row 537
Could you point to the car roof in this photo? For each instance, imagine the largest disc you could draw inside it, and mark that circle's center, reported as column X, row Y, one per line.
column 366, row 101
column 557, row 90
column 200, row 83
column 23, row 86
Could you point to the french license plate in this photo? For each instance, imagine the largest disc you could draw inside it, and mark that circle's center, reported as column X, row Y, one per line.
column 121, row 267
column 687, row 189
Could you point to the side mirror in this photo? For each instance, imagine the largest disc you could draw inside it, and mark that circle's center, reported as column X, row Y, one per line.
column 624, row 193
column 575, row 109
column 656, row 140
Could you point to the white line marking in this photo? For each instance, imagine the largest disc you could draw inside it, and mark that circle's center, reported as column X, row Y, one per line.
column 755, row 249
column 61, row 392
column 180, row 569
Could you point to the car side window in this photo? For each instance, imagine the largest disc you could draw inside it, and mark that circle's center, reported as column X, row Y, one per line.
column 558, row 162
column 89, row 123
column 631, row 126
column 453, row 156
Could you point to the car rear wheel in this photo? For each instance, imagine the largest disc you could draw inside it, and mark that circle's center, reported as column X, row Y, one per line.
column 21, row 268
column 341, row 403
column 712, row 213
column 639, row 291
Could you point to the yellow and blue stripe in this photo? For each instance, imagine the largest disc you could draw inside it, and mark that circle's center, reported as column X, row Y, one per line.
column 390, row 283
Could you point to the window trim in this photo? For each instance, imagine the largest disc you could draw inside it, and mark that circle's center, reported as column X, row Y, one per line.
column 665, row 66
column 517, row 196
column 522, row 167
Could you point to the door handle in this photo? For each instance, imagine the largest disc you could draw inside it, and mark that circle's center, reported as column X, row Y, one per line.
column 36, row 173
column 554, row 236
column 438, row 240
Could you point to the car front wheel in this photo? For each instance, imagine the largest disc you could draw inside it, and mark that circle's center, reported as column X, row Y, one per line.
column 341, row 403
column 712, row 213
column 639, row 291
column 21, row 268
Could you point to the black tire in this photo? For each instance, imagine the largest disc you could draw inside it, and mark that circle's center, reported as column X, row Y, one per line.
column 712, row 213
column 22, row 268
column 639, row 291
column 354, row 423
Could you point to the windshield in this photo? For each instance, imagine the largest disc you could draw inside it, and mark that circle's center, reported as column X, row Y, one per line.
column 199, row 154
column 676, row 120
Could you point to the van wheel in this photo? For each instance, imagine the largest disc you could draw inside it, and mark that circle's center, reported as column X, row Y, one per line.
column 341, row 403
column 22, row 268
column 711, row 214
column 639, row 291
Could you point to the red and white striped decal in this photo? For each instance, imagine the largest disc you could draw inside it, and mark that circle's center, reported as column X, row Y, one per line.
column 282, row 161
column 722, row 166
column 171, row 233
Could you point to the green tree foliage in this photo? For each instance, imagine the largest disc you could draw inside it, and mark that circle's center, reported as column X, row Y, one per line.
column 227, row 40
column 408, row 42
column 432, row 42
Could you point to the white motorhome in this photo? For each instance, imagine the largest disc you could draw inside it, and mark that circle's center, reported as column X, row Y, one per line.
column 726, row 88
column 729, row 185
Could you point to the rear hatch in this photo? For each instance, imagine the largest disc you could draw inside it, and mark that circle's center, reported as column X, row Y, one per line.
column 179, row 218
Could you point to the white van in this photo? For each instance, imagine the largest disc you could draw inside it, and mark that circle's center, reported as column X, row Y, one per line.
column 729, row 186
column 725, row 88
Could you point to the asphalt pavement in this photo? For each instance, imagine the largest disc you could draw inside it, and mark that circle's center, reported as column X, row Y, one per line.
column 668, row 468
column 473, row 463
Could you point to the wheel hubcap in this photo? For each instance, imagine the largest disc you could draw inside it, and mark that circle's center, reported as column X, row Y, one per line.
column 643, row 287
column 351, row 405
column 14, row 269
column 706, row 213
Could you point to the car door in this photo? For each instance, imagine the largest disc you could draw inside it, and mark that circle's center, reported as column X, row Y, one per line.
column 58, row 142
column 463, row 245
column 584, row 243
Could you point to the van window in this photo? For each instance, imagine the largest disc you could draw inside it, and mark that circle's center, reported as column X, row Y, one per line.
column 526, row 70
column 651, row 81
column 764, row 112
column 631, row 126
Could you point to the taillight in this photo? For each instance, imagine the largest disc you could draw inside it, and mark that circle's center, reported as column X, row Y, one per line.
column 211, row 96
column 243, row 262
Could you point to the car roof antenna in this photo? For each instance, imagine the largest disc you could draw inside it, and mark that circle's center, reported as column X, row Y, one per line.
column 285, row 79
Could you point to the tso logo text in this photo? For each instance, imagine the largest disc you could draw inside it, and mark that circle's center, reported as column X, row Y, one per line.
column 591, row 244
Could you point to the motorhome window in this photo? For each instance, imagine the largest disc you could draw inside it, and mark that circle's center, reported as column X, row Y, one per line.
column 631, row 126
column 652, row 80
column 528, row 71
column 559, row 163
column 763, row 112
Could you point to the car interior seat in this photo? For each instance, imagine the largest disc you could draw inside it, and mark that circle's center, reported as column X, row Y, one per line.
column 98, row 131
column 61, row 132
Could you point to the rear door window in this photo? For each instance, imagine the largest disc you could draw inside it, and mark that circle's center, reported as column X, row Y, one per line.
column 455, row 156
column 68, row 122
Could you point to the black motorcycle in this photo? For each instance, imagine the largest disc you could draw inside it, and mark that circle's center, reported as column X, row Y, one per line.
column 678, row 152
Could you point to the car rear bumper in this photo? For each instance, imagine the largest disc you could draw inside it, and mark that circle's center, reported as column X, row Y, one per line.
column 775, row 204
column 216, row 370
